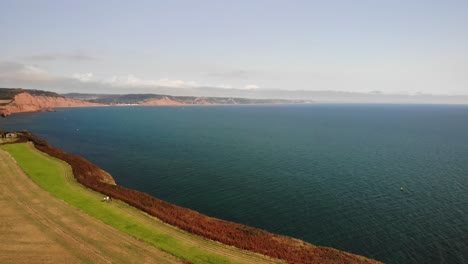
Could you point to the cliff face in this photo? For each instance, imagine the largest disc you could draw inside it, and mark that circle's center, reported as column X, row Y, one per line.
column 25, row 102
column 80, row 166
column 160, row 99
column 163, row 101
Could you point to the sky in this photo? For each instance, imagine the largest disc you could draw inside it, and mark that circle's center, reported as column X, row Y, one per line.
column 391, row 47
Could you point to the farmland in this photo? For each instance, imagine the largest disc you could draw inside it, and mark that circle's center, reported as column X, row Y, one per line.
column 109, row 239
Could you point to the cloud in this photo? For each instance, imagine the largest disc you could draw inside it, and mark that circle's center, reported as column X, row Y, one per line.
column 43, row 57
column 58, row 56
column 251, row 87
column 17, row 72
column 133, row 81
column 14, row 74
column 233, row 74
column 83, row 77
column 8, row 67
column 224, row 86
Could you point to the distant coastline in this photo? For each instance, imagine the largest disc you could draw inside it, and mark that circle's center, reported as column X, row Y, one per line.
column 22, row 100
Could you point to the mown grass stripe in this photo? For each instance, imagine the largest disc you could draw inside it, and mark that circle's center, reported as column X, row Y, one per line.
column 53, row 175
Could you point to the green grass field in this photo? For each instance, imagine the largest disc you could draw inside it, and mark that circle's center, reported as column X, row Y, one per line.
column 55, row 176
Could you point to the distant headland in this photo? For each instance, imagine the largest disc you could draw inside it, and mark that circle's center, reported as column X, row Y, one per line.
column 17, row 100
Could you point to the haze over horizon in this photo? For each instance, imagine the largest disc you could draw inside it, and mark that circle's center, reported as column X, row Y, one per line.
column 245, row 48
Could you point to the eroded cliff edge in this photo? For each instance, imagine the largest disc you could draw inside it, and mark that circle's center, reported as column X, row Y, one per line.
column 19, row 101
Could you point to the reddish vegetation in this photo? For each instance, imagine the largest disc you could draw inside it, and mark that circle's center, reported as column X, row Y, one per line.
column 25, row 102
column 244, row 237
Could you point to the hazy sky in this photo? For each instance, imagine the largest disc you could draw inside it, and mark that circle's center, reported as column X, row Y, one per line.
column 111, row 46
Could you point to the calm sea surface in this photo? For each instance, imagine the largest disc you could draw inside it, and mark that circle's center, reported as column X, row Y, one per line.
column 327, row 174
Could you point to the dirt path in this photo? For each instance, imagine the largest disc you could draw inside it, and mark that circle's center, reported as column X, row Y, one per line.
column 36, row 227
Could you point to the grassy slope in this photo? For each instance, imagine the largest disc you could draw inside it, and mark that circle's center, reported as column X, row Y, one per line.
column 52, row 174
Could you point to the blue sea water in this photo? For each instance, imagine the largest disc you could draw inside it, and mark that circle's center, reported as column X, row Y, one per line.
column 329, row 174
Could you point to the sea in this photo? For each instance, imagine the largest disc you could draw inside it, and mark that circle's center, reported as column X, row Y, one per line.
column 389, row 182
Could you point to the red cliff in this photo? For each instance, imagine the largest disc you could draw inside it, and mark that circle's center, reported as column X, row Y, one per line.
column 25, row 102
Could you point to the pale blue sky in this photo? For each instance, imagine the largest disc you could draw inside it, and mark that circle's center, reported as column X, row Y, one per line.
column 388, row 46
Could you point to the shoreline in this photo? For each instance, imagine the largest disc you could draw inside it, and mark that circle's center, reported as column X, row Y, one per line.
column 229, row 233
column 144, row 105
column 14, row 101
